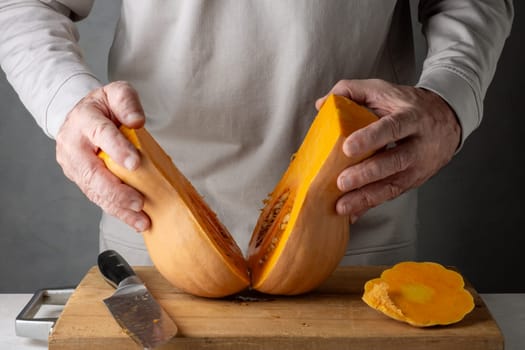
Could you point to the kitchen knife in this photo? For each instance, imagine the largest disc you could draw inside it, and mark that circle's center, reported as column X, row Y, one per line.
column 132, row 306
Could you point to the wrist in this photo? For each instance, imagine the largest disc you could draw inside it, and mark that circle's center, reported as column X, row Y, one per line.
column 70, row 92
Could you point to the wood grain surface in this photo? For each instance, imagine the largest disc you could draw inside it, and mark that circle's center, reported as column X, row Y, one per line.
column 332, row 317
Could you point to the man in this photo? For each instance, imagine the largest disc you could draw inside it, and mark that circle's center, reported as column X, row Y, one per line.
column 228, row 89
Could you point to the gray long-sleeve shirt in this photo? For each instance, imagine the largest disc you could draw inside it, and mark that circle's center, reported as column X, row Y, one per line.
column 229, row 86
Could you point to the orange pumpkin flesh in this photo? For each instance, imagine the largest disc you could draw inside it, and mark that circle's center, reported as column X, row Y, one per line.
column 299, row 239
column 420, row 294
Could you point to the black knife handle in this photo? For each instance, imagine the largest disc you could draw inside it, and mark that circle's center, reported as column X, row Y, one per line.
column 113, row 267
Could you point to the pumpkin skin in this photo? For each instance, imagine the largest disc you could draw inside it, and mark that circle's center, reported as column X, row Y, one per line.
column 186, row 242
column 422, row 294
column 299, row 238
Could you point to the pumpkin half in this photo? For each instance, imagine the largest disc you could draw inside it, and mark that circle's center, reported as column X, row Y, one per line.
column 298, row 240
column 421, row 294
column 186, row 242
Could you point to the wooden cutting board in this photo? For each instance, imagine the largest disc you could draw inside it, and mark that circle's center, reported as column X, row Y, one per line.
column 332, row 317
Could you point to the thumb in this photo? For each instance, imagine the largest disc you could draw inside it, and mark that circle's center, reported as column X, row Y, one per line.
column 124, row 104
column 363, row 92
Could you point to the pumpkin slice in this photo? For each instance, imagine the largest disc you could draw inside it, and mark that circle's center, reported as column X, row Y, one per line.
column 186, row 241
column 299, row 238
column 421, row 294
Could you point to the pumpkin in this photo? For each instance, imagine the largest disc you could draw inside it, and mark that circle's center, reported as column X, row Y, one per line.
column 421, row 294
column 298, row 240
column 186, row 242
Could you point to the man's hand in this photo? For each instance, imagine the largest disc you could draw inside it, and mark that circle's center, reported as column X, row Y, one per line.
column 93, row 125
column 423, row 128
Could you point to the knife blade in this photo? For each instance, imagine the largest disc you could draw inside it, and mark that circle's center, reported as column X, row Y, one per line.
column 132, row 305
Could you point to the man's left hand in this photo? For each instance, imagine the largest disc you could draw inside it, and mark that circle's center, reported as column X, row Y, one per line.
column 416, row 135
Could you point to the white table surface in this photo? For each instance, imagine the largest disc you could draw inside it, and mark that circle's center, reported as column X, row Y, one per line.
column 507, row 309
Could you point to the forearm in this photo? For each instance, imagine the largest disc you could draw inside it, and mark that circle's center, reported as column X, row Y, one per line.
column 40, row 55
column 465, row 40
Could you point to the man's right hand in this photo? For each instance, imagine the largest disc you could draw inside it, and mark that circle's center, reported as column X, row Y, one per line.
column 92, row 125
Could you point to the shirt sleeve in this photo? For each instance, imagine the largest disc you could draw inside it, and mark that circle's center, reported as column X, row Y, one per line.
column 41, row 58
column 464, row 41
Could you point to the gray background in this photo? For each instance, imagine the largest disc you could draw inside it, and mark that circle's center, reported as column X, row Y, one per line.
column 469, row 213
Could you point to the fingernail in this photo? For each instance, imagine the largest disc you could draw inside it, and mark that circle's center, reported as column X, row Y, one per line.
column 319, row 102
column 131, row 162
column 140, row 225
column 343, row 209
column 134, row 117
column 349, row 150
column 345, row 183
column 136, row 205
